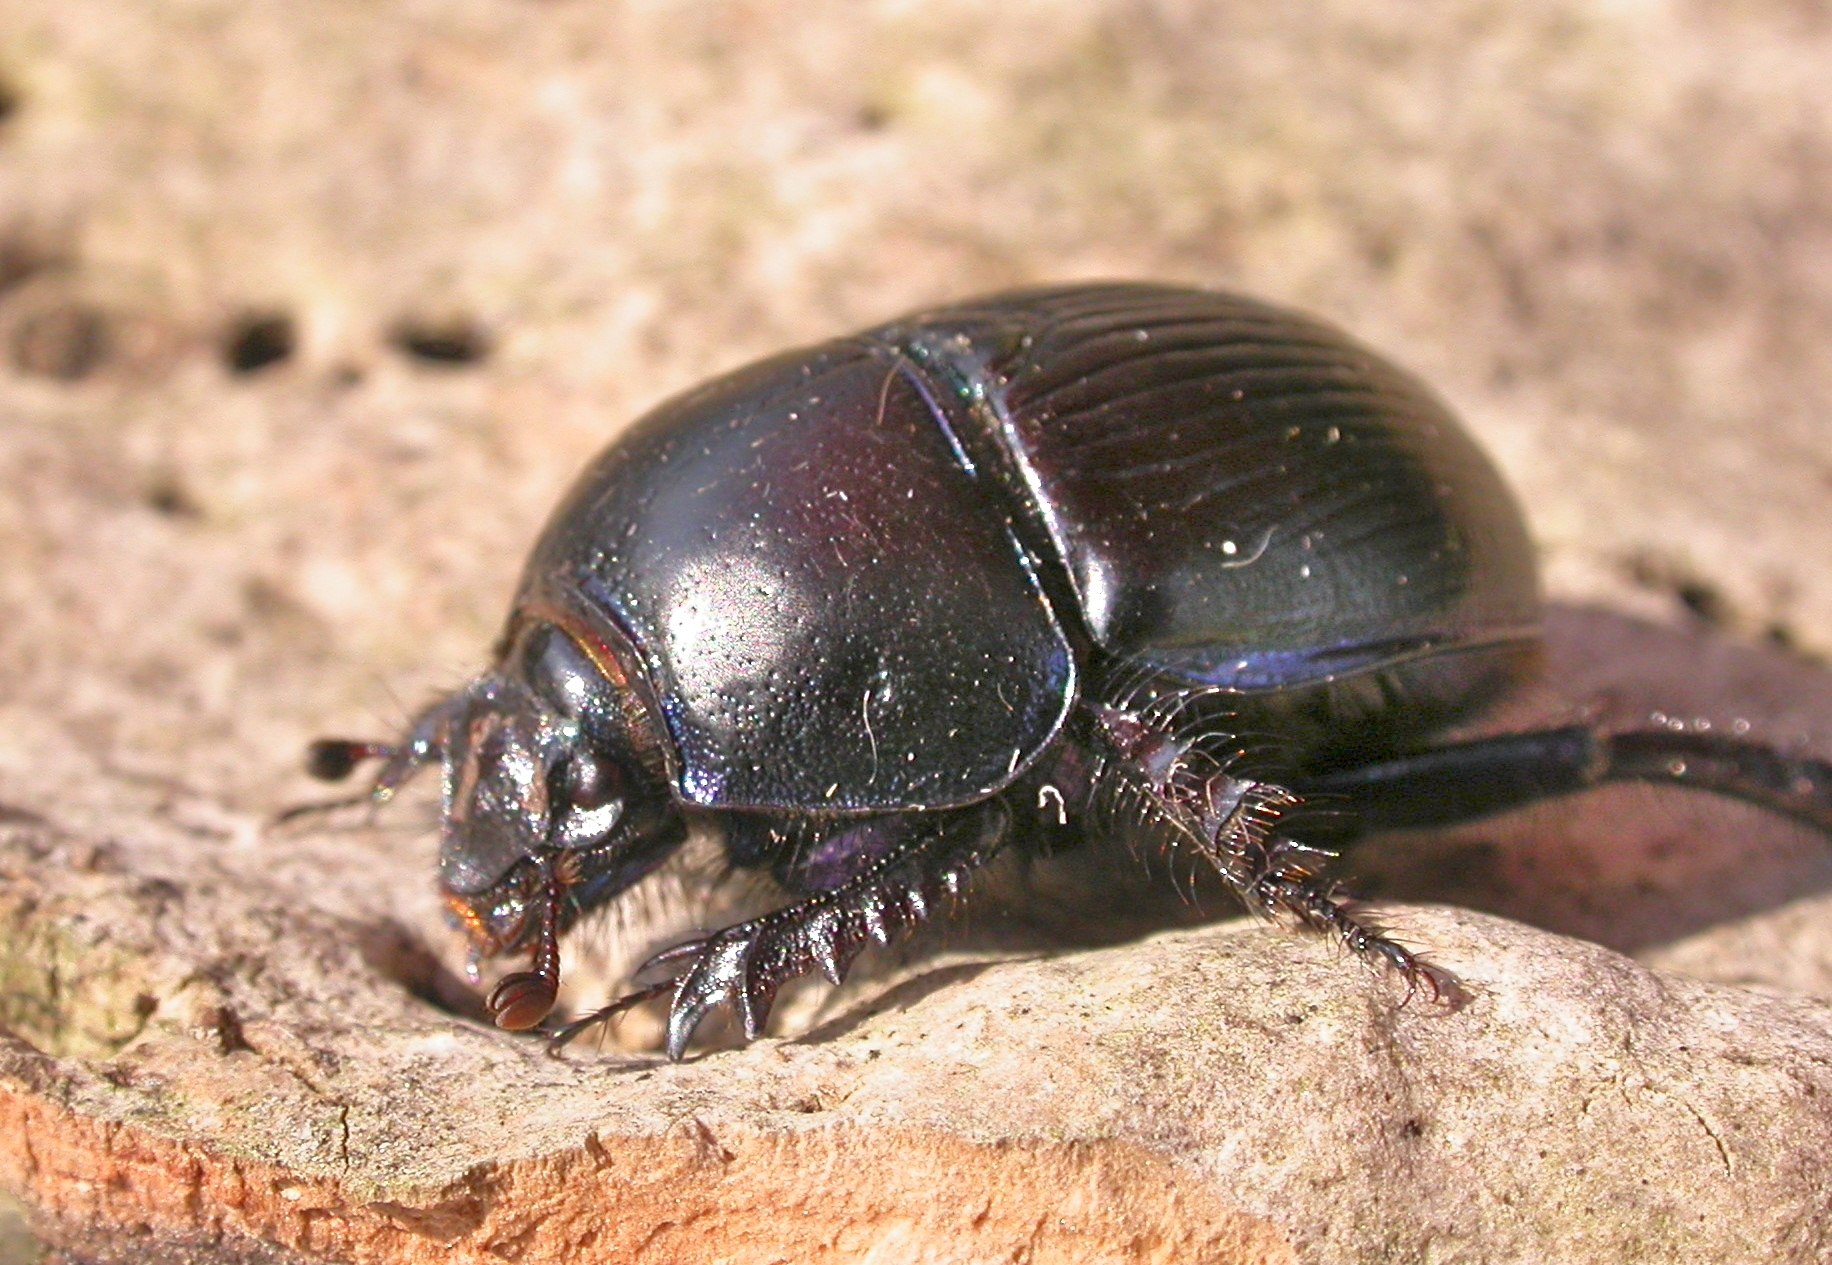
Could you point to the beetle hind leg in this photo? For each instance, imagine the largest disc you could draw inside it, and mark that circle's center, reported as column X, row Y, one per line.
column 745, row 965
column 1465, row 781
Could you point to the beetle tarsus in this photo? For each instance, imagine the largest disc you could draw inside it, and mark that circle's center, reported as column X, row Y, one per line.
column 1281, row 884
column 1309, row 900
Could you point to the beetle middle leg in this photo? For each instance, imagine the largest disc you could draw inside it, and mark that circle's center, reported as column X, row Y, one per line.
column 1152, row 786
column 893, row 885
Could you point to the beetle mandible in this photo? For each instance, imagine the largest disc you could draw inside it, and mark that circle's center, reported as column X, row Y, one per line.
column 1048, row 563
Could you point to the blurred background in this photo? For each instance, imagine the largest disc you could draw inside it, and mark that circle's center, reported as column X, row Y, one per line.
column 308, row 312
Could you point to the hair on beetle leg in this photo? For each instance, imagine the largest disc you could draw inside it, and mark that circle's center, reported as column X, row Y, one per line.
column 1189, row 802
column 1130, row 681
column 610, row 942
column 1296, row 892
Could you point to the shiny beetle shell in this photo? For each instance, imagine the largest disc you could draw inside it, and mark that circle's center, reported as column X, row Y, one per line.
column 868, row 576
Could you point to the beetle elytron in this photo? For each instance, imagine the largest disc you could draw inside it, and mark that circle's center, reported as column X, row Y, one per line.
column 1049, row 564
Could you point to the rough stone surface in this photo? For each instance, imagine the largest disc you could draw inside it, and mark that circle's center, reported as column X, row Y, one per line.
column 307, row 314
column 234, row 1071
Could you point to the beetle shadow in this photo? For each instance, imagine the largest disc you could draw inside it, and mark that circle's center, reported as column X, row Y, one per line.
column 841, row 1015
column 1631, row 866
column 1022, row 908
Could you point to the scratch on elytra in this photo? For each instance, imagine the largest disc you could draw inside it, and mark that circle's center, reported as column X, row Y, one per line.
column 865, row 711
column 1250, row 559
column 884, row 395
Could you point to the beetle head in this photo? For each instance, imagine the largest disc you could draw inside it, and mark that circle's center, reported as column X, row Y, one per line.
column 555, row 800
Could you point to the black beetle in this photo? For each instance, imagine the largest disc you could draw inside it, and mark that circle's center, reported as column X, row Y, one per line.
column 1128, row 563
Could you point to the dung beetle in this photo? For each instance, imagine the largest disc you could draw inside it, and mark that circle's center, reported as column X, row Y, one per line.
column 1125, row 564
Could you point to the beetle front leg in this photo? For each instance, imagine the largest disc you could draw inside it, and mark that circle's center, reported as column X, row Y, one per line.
column 743, row 966
column 1156, row 789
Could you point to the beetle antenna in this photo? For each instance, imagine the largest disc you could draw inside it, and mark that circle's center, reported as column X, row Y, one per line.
column 334, row 759
column 560, row 1037
column 522, row 999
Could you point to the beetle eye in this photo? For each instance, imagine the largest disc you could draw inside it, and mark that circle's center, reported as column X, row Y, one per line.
column 590, row 799
column 591, row 783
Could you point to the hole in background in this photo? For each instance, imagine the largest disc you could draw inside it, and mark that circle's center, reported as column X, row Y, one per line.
column 1783, row 637
column 258, row 340
column 455, row 341
column 167, row 495
column 1704, row 601
column 1701, row 599
column 67, row 343
column 21, row 259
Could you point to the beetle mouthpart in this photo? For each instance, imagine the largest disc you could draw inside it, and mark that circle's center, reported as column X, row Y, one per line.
column 465, row 915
